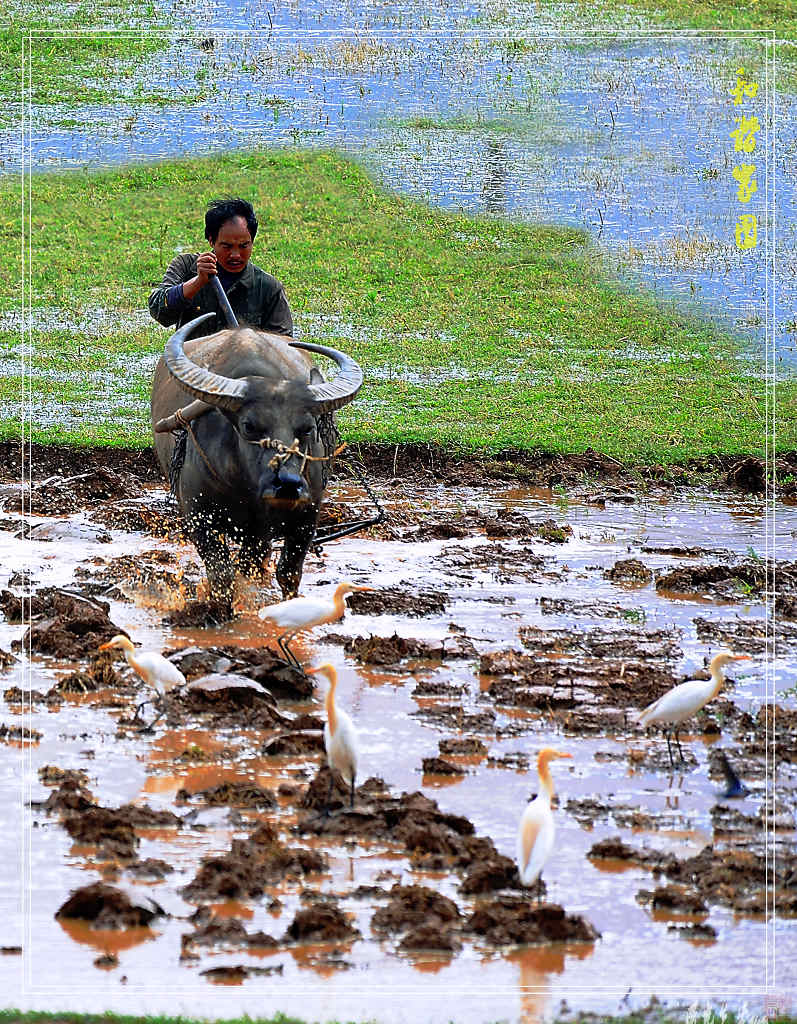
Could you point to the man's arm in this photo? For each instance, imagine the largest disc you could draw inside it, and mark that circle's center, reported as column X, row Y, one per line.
column 277, row 318
column 180, row 284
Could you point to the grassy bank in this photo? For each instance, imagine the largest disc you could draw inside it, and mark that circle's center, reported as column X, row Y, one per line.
column 778, row 16
column 654, row 1013
column 473, row 332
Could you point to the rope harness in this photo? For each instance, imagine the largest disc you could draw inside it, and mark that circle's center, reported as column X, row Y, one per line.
column 284, row 453
column 331, row 440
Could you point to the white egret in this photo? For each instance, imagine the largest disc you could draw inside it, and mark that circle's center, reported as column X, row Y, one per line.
column 300, row 613
column 686, row 699
column 536, row 831
column 340, row 735
column 157, row 672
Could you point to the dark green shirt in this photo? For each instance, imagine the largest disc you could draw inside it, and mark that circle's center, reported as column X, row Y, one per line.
column 257, row 299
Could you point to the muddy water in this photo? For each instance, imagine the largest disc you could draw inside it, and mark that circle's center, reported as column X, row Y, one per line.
column 491, row 599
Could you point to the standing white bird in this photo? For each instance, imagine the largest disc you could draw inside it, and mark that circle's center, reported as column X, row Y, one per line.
column 687, row 699
column 340, row 735
column 536, row 831
column 156, row 671
column 301, row 613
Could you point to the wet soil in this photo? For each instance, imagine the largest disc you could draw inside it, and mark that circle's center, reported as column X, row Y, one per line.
column 543, row 662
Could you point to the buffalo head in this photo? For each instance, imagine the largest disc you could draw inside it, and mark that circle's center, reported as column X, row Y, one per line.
column 254, row 466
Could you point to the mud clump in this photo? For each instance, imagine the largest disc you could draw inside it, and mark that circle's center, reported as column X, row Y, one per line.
column 322, row 923
column 230, row 794
column 224, row 705
column 108, row 907
column 630, row 570
column 152, row 868
column 615, row 849
column 111, row 830
column 283, row 681
column 509, row 920
column 724, row 580
column 225, row 931
column 428, row 919
column 396, row 601
column 156, row 518
column 660, row 644
column 749, row 475
column 462, row 745
column 673, row 897
column 439, row 766
column 200, row 615
column 249, row 867
column 73, row 628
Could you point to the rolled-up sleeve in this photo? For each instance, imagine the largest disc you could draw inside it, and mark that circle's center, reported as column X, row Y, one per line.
column 165, row 301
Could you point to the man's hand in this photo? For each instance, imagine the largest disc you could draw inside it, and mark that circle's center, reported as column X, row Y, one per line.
column 205, row 268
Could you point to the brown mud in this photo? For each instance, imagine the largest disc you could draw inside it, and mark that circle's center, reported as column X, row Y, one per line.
column 491, row 630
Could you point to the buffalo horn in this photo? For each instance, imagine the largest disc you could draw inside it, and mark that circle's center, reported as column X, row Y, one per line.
column 344, row 385
column 223, row 392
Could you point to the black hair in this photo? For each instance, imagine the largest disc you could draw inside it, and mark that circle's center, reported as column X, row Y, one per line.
column 222, row 210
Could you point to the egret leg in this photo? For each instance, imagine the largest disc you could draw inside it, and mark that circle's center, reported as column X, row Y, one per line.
column 669, row 749
column 143, row 704
column 282, row 643
column 678, row 744
column 352, row 791
column 329, row 795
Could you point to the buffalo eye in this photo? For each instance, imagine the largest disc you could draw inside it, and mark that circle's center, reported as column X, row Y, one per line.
column 249, row 429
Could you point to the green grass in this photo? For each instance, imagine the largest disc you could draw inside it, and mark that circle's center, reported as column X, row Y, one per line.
column 474, row 333
column 654, row 1013
column 779, row 16
column 72, row 59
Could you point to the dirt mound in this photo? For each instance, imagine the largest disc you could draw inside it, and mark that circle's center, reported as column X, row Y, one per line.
column 729, row 581
column 108, row 907
column 66, row 625
column 158, row 518
column 461, row 745
column 673, row 897
column 502, row 563
column 225, row 931
column 430, row 920
column 151, row 869
column 111, row 830
column 250, row 866
column 510, row 920
column 259, row 664
column 581, row 691
column 439, row 766
column 397, row 601
column 630, row 570
column 323, row 923
column 230, row 794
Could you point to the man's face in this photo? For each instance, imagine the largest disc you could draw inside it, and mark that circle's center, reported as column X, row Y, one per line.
column 233, row 245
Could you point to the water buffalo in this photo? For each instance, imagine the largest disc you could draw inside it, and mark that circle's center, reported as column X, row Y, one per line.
column 238, row 480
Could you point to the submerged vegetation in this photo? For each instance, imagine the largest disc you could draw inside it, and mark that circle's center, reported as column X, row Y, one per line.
column 473, row 332
column 80, row 54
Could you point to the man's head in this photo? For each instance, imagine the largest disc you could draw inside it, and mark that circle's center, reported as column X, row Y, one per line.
column 230, row 227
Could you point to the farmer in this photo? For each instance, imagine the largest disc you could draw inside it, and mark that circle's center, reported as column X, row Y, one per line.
column 257, row 298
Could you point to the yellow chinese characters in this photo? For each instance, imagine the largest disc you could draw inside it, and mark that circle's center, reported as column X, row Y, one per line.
column 743, row 88
column 743, row 173
column 746, row 231
column 744, row 141
column 744, row 135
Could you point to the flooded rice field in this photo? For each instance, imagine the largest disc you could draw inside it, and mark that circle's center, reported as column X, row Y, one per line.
column 190, row 868
column 510, row 111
